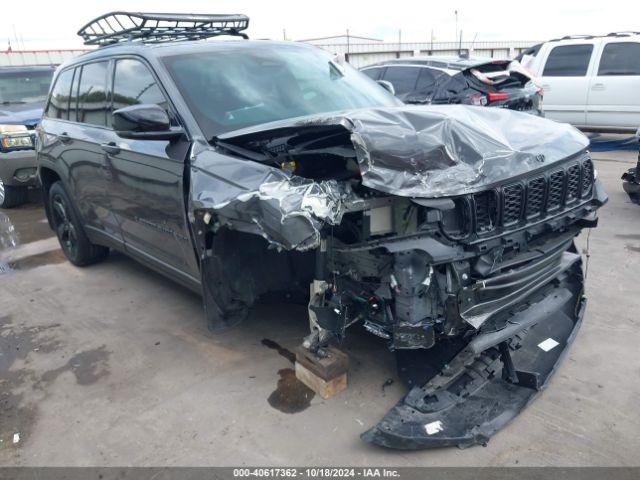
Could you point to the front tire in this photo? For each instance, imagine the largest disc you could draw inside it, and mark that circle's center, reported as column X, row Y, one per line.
column 11, row 196
column 66, row 223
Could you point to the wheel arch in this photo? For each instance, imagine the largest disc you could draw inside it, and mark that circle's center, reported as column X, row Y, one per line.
column 48, row 177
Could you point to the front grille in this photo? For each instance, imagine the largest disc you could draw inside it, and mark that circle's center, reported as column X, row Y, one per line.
column 535, row 197
column 486, row 210
column 532, row 199
column 512, row 204
column 587, row 177
column 556, row 189
column 573, row 183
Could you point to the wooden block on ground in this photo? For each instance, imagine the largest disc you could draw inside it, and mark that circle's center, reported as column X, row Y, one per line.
column 325, row 388
column 333, row 365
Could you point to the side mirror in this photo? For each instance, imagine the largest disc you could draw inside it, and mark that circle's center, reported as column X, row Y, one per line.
column 388, row 86
column 145, row 122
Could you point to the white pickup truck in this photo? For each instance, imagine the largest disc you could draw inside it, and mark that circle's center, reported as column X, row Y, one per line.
column 592, row 82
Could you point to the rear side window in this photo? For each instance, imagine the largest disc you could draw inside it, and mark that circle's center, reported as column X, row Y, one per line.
column 59, row 104
column 427, row 78
column 568, row 61
column 92, row 94
column 403, row 78
column 134, row 84
column 373, row 73
column 620, row 59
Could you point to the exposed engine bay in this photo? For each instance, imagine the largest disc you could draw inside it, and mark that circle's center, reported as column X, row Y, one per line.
column 450, row 236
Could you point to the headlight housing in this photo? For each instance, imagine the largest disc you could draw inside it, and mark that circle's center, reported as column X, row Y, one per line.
column 15, row 137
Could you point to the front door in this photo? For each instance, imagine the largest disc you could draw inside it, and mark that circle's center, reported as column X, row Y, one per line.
column 146, row 187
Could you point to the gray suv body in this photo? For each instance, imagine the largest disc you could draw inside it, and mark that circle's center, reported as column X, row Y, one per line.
column 251, row 168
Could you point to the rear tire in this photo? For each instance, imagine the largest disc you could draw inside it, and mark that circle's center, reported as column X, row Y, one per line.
column 71, row 235
column 11, row 196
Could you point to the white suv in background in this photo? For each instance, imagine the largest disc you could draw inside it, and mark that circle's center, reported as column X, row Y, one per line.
column 591, row 82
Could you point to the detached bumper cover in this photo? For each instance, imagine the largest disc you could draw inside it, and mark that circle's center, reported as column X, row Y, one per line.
column 477, row 393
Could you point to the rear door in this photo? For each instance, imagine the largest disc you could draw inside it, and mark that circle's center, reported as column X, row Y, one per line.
column 146, row 186
column 74, row 125
column 565, row 81
column 614, row 91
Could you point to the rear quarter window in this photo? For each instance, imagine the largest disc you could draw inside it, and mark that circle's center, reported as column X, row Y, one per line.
column 59, row 102
column 620, row 58
column 568, row 61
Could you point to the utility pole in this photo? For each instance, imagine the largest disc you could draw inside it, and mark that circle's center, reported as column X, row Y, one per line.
column 456, row 35
column 399, row 42
column 348, row 46
column 284, row 34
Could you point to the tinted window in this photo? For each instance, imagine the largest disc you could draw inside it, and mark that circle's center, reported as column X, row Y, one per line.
column 133, row 84
column 568, row 61
column 24, row 86
column 59, row 103
column 620, row 59
column 92, row 96
column 427, row 78
column 373, row 73
column 227, row 89
column 403, row 78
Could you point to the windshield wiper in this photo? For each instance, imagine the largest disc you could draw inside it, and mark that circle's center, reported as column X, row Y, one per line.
column 13, row 102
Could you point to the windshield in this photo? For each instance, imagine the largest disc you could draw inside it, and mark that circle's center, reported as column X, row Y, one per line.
column 236, row 88
column 24, row 87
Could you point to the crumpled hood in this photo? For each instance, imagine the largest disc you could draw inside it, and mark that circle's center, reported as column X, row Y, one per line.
column 435, row 151
column 21, row 114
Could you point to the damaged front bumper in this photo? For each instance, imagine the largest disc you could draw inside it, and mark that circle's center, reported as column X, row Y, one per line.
column 490, row 380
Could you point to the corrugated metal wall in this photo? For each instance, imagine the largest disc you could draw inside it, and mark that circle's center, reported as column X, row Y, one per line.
column 37, row 57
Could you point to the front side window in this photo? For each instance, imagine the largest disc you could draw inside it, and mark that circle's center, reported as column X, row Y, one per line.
column 134, row 84
column 403, row 79
column 568, row 61
column 620, row 59
column 92, row 94
column 24, row 86
column 59, row 104
column 228, row 89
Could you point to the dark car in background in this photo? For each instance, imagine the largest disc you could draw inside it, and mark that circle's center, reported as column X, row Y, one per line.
column 23, row 91
column 459, row 80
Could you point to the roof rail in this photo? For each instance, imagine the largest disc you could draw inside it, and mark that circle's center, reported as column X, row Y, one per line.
column 622, row 34
column 572, row 37
column 117, row 27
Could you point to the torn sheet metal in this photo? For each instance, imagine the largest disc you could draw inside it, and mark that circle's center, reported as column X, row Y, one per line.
column 286, row 210
column 436, row 151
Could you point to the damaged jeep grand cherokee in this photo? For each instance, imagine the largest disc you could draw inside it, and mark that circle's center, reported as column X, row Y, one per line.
column 245, row 168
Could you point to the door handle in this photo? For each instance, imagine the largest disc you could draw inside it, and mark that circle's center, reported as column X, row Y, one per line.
column 598, row 86
column 64, row 137
column 111, row 148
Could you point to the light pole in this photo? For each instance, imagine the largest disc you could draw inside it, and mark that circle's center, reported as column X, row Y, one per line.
column 456, row 36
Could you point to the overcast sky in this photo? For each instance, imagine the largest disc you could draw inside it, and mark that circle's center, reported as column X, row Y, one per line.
column 41, row 24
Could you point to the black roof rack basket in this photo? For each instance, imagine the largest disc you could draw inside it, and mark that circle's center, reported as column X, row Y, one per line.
column 116, row 27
